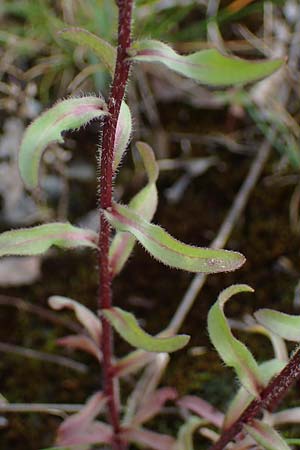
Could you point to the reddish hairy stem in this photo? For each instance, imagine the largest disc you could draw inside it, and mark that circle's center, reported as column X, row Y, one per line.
column 106, row 187
column 269, row 399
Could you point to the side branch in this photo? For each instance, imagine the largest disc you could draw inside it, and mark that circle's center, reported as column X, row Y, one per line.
column 270, row 397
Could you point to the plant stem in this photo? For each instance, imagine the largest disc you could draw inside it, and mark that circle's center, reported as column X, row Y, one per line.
column 106, row 187
column 269, row 399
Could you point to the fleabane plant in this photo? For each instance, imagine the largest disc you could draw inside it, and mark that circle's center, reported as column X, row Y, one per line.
column 132, row 223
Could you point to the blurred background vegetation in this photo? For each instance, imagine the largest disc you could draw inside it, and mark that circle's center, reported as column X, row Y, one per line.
column 205, row 142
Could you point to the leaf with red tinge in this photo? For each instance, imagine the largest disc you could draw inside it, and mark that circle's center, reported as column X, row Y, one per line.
column 231, row 350
column 209, row 67
column 154, row 405
column 284, row 325
column 266, row 436
column 82, row 429
column 203, row 409
column 143, row 203
column 86, row 317
column 133, row 362
column 169, row 250
column 127, row 326
column 286, row 416
column 37, row 240
column 89, row 412
column 66, row 115
column 95, row 433
column 155, row 441
column 81, row 342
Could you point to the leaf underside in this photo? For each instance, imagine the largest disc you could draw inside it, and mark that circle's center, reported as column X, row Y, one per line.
column 66, row 115
column 37, row 240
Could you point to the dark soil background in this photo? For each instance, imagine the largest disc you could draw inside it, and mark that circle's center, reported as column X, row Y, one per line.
column 179, row 122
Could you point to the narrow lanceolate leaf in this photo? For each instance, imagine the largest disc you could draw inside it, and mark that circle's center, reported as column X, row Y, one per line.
column 154, row 405
column 105, row 51
column 37, row 240
column 81, row 342
column 231, row 350
column 186, row 431
column 126, row 325
column 82, row 428
column 133, row 362
column 85, row 316
column 66, row 115
column 143, row 203
column 208, row 67
column 286, row 416
column 94, row 405
column 168, row 250
column 284, row 325
column 150, row 165
column 149, row 439
column 266, row 436
column 123, row 133
column 203, row 409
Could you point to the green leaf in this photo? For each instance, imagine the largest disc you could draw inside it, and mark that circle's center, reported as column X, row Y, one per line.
column 266, row 436
column 186, row 431
column 168, row 250
column 37, row 240
column 66, row 115
column 208, row 67
column 231, row 350
column 127, row 326
column 284, row 325
column 151, row 166
column 105, row 51
column 123, row 133
column 143, row 203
